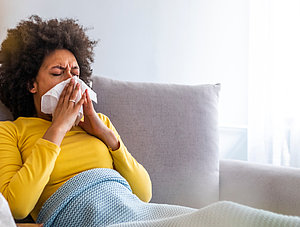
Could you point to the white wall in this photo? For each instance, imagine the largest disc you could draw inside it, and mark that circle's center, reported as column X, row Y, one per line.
column 169, row 41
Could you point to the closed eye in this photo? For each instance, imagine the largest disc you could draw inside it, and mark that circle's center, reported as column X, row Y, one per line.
column 55, row 74
column 59, row 70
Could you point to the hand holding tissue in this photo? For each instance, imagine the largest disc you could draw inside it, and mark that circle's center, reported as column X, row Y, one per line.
column 50, row 99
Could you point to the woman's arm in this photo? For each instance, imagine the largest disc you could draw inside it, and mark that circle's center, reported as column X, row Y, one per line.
column 22, row 183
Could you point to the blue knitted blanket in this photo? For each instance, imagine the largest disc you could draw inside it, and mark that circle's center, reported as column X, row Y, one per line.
column 102, row 197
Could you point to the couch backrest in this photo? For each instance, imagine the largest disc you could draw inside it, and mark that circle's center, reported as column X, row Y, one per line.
column 171, row 130
column 5, row 114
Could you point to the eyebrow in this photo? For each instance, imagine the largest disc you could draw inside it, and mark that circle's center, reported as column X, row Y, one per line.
column 63, row 68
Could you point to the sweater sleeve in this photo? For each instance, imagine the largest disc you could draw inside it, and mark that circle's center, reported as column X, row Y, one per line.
column 22, row 183
column 135, row 174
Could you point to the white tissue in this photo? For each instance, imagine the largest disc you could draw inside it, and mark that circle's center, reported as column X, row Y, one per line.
column 6, row 218
column 50, row 99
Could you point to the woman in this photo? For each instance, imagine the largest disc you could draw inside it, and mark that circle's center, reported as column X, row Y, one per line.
column 40, row 152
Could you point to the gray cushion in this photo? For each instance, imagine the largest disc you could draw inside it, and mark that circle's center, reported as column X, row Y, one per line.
column 172, row 131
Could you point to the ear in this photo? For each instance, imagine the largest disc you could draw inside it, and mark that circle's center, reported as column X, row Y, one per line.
column 32, row 87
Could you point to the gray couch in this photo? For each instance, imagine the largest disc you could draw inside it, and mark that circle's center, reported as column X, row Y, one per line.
column 172, row 130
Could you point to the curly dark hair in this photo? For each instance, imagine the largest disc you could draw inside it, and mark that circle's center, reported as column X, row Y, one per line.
column 23, row 51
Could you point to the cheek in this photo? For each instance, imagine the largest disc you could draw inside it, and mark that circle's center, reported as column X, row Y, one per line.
column 46, row 85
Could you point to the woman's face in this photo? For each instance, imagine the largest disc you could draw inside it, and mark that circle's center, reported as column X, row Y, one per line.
column 58, row 66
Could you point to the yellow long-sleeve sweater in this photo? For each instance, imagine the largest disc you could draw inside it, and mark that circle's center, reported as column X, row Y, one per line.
column 32, row 168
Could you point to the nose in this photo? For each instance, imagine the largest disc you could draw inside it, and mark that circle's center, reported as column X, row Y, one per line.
column 68, row 72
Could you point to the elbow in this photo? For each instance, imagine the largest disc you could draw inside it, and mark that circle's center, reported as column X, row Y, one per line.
column 148, row 197
column 19, row 212
column 146, row 194
column 17, row 208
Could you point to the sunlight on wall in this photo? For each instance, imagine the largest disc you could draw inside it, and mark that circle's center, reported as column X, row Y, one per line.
column 274, row 110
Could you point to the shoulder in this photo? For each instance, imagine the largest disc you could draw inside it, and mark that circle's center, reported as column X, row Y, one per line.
column 8, row 129
column 7, row 125
column 12, row 125
column 22, row 124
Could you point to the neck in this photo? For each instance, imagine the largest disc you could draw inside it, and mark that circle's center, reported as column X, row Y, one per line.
column 47, row 117
column 39, row 113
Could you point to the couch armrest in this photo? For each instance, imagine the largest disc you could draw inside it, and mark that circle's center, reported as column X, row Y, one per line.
column 261, row 186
